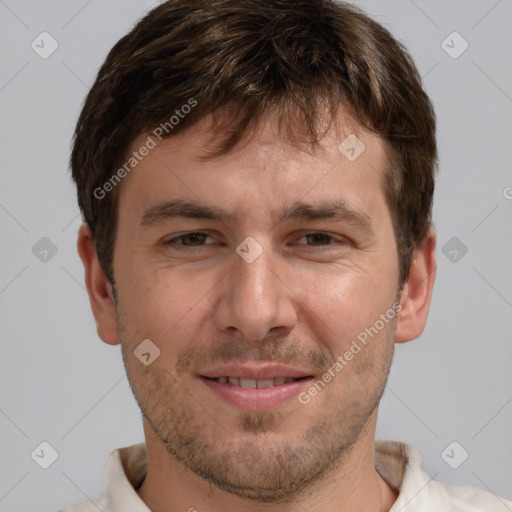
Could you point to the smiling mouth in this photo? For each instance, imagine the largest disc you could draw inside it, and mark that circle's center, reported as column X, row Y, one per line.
column 255, row 383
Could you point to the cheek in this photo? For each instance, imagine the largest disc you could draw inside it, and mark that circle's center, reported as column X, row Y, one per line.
column 346, row 301
column 164, row 305
column 334, row 303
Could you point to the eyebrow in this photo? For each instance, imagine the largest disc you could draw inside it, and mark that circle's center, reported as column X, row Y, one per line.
column 337, row 209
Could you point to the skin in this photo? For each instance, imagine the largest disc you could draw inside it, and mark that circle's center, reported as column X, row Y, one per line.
column 302, row 302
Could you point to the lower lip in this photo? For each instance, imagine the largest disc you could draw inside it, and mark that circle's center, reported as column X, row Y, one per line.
column 256, row 399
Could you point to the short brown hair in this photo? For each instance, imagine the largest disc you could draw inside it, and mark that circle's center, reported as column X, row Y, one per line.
column 258, row 58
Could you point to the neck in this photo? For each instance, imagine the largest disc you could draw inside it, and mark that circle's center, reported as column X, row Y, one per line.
column 354, row 484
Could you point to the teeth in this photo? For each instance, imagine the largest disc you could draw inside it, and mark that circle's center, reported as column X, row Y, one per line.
column 253, row 383
column 234, row 380
column 248, row 383
column 265, row 383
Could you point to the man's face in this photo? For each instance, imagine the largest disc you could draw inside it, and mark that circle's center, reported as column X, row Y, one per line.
column 257, row 297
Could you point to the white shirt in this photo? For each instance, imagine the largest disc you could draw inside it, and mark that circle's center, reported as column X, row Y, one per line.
column 398, row 463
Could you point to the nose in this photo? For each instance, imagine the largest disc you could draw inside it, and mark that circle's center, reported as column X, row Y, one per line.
column 255, row 300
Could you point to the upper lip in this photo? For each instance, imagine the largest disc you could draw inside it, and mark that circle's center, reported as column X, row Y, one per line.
column 252, row 371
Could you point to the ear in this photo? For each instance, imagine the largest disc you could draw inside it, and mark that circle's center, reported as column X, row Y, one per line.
column 417, row 291
column 98, row 288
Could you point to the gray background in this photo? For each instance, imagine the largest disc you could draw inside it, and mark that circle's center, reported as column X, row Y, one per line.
column 59, row 383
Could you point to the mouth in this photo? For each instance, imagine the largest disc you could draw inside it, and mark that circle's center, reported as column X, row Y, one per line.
column 253, row 388
column 256, row 383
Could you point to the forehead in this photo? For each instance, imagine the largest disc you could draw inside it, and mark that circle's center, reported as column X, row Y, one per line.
column 348, row 164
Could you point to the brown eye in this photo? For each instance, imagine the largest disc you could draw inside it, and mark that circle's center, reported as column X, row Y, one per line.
column 318, row 238
column 321, row 241
column 195, row 239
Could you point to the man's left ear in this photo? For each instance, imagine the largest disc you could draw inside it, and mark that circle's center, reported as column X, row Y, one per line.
column 417, row 291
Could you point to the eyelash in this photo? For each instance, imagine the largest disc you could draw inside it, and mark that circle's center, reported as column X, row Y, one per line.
column 183, row 247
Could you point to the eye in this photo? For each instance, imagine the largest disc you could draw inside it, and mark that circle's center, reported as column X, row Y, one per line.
column 199, row 239
column 194, row 239
column 319, row 239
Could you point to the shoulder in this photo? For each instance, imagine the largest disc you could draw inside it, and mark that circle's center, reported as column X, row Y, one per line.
column 400, row 465
column 468, row 498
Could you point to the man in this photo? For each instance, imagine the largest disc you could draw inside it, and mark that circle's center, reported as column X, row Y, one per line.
column 256, row 181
